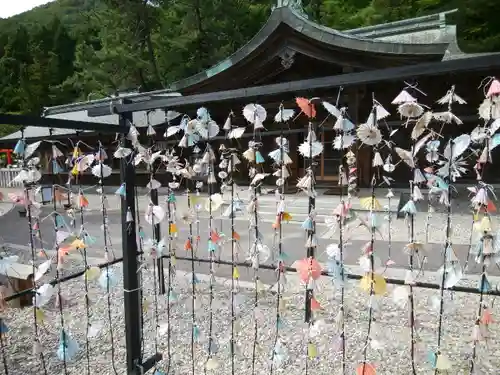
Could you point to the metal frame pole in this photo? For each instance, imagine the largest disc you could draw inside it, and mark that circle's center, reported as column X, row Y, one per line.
column 131, row 284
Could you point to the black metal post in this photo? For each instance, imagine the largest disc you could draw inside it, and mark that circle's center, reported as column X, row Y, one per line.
column 132, row 298
column 157, row 237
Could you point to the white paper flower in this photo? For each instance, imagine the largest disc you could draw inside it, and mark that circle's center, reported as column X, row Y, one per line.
column 368, row 134
column 101, row 170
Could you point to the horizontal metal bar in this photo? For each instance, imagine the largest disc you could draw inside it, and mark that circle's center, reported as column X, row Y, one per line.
column 470, row 64
column 54, row 282
column 461, row 289
column 55, row 123
column 102, row 103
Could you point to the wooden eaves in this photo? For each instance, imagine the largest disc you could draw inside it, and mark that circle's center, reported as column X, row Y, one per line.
column 487, row 63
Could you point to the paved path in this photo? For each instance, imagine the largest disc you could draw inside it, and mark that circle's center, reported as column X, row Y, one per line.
column 14, row 230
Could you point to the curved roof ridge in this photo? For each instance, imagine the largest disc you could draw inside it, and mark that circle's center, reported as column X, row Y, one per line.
column 323, row 34
column 406, row 22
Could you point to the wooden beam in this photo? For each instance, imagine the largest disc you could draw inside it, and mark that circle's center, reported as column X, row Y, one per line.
column 481, row 63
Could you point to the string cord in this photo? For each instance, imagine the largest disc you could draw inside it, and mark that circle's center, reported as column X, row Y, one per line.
column 211, row 251
column 105, row 222
column 310, row 235
column 233, row 266
column 411, row 266
column 141, row 261
column 155, row 293
column 341, row 246
column 371, row 258
column 193, row 283
column 58, row 266
column 33, row 259
column 155, row 263
column 86, row 288
column 255, row 252
column 281, row 166
column 169, row 280
column 483, row 268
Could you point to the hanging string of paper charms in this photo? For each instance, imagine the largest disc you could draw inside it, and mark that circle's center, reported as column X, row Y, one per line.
column 281, row 161
column 227, row 166
column 309, row 269
column 374, row 283
column 194, row 204
column 207, row 129
column 32, row 210
column 68, row 346
column 155, row 214
column 448, row 167
column 173, row 167
column 488, row 244
column 258, row 252
column 81, row 240
column 344, row 139
column 412, row 113
column 107, row 278
column 66, row 242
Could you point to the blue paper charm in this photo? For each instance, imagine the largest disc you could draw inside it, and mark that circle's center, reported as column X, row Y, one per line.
column 20, row 146
column 106, row 278
column 121, row 190
column 212, row 246
column 484, row 285
column 56, row 169
column 3, row 328
column 88, row 240
column 194, row 279
column 259, row 159
column 432, row 358
column 283, row 257
column 196, row 333
column 59, row 221
column 307, row 224
column 213, row 347
column 172, row 296
column 68, row 347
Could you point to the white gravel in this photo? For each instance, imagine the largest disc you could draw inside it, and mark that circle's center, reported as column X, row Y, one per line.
column 391, row 330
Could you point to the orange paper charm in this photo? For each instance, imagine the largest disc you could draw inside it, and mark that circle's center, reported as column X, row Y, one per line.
column 487, row 317
column 83, row 202
column 308, row 267
column 491, row 206
column 365, row 369
column 187, row 245
column 315, row 305
column 236, row 236
column 306, row 107
column 214, row 236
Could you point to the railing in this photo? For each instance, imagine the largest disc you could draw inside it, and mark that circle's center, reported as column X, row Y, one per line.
column 6, row 177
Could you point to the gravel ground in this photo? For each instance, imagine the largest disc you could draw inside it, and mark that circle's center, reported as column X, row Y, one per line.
column 390, row 330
